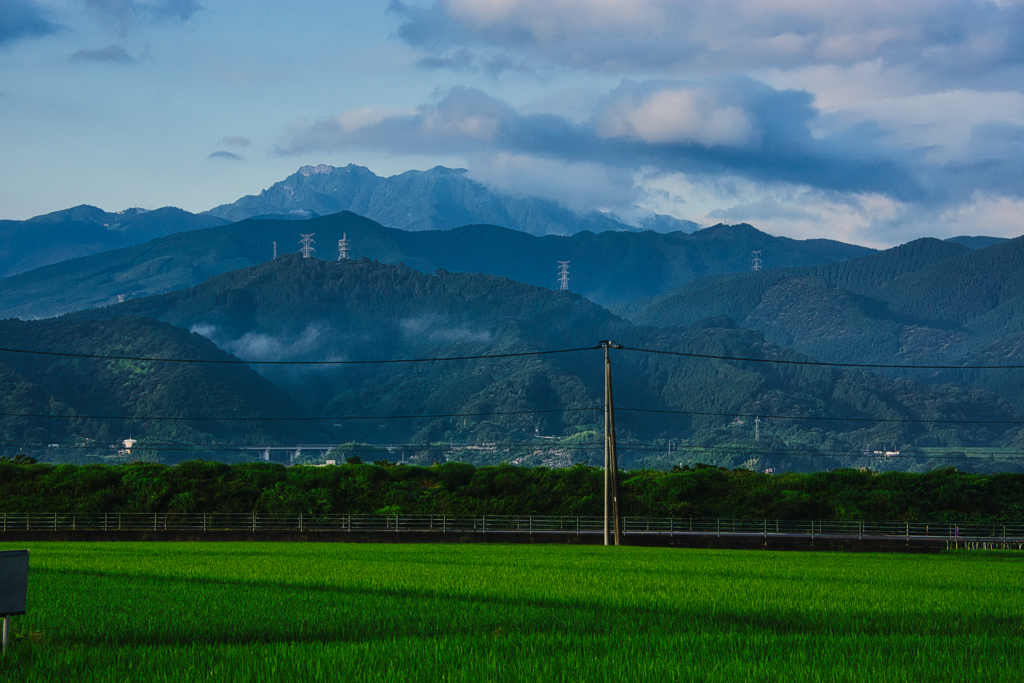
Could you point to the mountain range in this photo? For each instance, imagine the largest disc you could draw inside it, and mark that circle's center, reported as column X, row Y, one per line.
column 167, row 283
column 610, row 267
column 438, row 199
column 83, row 230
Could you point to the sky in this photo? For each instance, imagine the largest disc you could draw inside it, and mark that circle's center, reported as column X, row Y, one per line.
column 872, row 122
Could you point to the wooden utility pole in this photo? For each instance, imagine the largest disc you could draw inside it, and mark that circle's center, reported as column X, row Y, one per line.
column 611, row 460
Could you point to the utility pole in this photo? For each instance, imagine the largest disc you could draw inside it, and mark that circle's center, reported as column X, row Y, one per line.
column 343, row 248
column 563, row 275
column 611, row 460
column 307, row 244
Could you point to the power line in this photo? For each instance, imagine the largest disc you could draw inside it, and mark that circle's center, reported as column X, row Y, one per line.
column 193, row 418
column 824, row 363
column 299, row 362
column 824, row 419
column 298, row 419
column 796, row 450
column 516, row 355
column 362, row 446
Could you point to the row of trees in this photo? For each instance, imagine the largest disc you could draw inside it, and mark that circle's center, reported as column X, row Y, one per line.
column 461, row 489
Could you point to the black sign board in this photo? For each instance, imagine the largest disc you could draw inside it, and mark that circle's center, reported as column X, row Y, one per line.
column 13, row 581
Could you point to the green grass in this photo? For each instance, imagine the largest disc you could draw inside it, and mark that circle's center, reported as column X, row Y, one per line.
column 304, row 612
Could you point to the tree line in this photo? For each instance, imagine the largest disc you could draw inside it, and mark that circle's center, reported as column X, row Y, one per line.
column 456, row 488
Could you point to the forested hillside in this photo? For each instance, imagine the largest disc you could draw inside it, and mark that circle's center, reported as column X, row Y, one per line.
column 323, row 311
column 82, row 401
column 925, row 303
column 605, row 267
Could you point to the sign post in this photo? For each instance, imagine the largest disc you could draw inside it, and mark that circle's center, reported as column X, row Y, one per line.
column 13, row 586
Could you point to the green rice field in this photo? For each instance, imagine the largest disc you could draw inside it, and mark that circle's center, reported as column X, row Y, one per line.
column 362, row 612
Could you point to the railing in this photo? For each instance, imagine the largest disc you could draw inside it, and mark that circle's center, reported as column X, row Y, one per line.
column 1008, row 535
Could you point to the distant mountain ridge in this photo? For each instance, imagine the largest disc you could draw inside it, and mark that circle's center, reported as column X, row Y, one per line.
column 439, row 199
column 610, row 267
column 84, row 230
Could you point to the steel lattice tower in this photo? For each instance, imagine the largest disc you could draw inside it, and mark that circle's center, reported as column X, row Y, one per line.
column 307, row 244
column 563, row 275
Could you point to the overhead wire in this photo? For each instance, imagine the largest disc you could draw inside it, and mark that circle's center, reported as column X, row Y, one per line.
column 665, row 352
column 231, row 361
column 789, row 452
column 821, row 418
column 203, row 418
column 782, row 361
column 296, row 419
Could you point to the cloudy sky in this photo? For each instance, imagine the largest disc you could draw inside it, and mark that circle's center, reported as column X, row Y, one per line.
column 873, row 122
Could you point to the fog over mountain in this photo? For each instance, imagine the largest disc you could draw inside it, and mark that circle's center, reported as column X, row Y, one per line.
column 438, row 199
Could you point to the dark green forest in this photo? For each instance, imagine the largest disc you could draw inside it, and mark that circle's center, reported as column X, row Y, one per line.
column 927, row 302
column 53, row 399
column 462, row 489
column 322, row 311
column 365, row 311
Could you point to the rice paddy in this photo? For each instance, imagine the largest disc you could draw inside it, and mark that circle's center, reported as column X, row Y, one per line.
column 304, row 612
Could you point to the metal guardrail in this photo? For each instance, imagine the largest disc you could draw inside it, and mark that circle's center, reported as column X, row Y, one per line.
column 1008, row 535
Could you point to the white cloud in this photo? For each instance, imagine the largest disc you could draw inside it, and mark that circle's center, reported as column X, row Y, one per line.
column 436, row 329
column 122, row 15
column 364, row 117
column 256, row 346
column 794, row 211
column 677, row 115
column 942, row 122
column 204, row 329
column 869, row 219
column 984, row 215
column 946, row 42
column 548, row 19
column 581, row 186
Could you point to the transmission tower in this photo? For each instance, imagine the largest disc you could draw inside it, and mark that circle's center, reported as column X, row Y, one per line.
column 343, row 247
column 563, row 275
column 307, row 244
column 275, row 251
column 755, row 261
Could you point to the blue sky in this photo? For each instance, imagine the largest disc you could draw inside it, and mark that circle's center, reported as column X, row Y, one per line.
column 872, row 122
